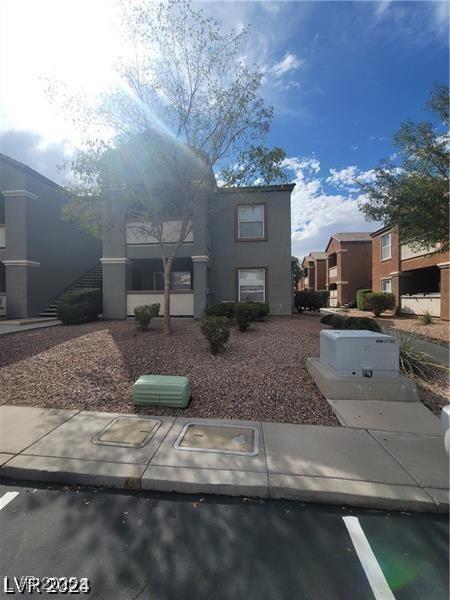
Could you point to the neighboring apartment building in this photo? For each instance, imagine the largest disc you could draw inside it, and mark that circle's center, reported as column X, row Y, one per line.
column 419, row 280
column 349, row 266
column 239, row 249
column 40, row 254
column 314, row 272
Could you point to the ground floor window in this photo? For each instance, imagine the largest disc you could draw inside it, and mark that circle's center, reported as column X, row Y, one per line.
column 251, row 285
column 386, row 286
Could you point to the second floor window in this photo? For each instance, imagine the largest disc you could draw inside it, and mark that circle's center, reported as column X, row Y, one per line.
column 386, row 246
column 251, row 222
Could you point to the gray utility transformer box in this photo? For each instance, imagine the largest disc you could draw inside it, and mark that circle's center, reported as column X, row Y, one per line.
column 359, row 353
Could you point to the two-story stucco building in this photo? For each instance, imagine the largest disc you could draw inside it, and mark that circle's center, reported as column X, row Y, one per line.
column 349, row 266
column 239, row 249
column 314, row 272
column 41, row 255
column 419, row 279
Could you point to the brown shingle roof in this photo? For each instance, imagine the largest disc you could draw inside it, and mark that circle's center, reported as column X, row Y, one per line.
column 319, row 255
column 358, row 236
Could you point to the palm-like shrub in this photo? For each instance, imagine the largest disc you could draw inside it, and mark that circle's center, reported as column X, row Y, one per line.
column 414, row 360
column 426, row 318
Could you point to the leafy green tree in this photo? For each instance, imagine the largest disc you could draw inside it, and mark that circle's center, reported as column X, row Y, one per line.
column 256, row 166
column 412, row 192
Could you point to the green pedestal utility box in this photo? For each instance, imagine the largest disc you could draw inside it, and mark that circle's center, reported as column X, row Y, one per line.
column 162, row 390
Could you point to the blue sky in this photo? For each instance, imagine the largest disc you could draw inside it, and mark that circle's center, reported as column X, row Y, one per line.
column 340, row 75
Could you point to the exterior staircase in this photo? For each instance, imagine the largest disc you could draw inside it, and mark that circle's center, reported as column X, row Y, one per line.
column 91, row 279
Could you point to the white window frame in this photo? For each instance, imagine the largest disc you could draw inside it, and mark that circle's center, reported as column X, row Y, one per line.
column 241, row 237
column 263, row 282
column 386, row 235
column 383, row 281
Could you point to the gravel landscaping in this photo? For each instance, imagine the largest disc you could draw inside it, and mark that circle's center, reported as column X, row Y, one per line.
column 437, row 331
column 261, row 376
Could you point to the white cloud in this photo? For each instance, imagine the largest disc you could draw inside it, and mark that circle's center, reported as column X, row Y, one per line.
column 317, row 214
column 348, row 177
column 381, row 7
column 34, row 151
column 289, row 62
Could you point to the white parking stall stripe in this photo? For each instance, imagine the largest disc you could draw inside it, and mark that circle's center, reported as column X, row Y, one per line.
column 6, row 498
column 368, row 561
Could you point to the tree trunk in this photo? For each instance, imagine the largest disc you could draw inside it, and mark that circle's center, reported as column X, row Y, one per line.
column 167, row 271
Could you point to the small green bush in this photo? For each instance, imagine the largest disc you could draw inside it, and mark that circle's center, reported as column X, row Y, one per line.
column 327, row 319
column 426, row 318
column 245, row 313
column 337, row 321
column 310, row 300
column 80, row 306
column 361, row 300
column 379, row 302
column 144, row 314
column 217, row 332
column 222, row 309
column 365, row 323
column 340, row 322
column 262, row 310
column 72, row 314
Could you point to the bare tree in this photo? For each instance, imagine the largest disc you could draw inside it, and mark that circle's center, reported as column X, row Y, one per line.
column 185, row 77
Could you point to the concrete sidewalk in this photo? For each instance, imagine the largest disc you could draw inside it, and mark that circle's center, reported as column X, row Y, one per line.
column 8, row 326
column 356, row 466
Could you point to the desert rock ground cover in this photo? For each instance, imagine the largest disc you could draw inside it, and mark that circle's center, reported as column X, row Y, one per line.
column 261, row 375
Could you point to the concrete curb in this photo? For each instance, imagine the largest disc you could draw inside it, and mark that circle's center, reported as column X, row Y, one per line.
column 321, row 490
column 296, row 462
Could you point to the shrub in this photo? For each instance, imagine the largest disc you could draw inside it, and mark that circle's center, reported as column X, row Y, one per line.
column 339, row 322
column 245, row 313
column 327, row 319
column 311, row 300
column 413, row 360
column 365, row 323
column 323, row 297
column 222, row 309
column 361, row 300
column 426, row 318
column 217, row 331
column 379, row 302
column 262, row 310
column 80, row 306
column 144, row 314
column 71, row 314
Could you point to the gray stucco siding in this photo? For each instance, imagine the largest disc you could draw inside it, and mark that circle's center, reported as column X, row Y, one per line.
column 52, row 253
column 273, row 253
column 63, row 251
